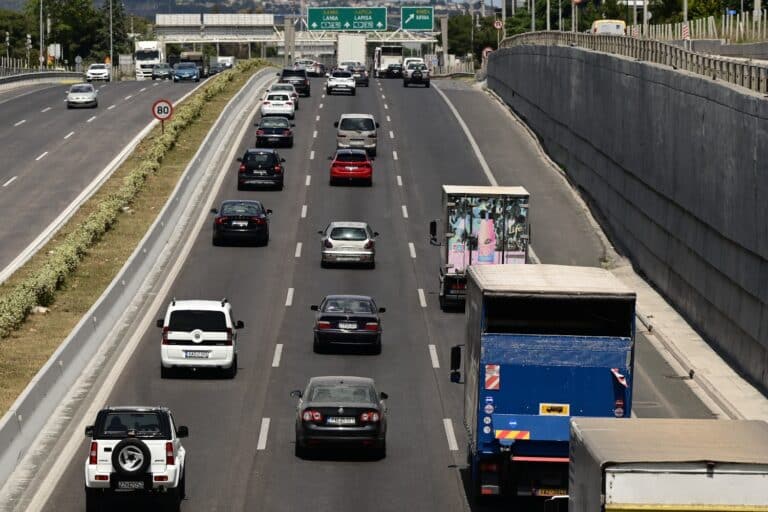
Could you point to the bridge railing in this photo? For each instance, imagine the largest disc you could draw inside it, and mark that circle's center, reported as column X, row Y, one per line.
column 751, row 76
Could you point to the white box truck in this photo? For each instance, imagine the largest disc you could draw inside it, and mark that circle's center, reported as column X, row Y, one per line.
column 668, row 465
column 351, row 48
column 148, row 53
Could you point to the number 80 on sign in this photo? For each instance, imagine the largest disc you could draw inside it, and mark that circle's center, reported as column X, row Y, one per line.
column 162, row 110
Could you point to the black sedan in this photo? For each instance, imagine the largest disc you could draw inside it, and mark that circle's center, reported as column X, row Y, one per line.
column 347, row 321
column 394, row 71
column 341, row 410
column 241, row 221
column 360, row 75
column 260, row 167
column 274, row 131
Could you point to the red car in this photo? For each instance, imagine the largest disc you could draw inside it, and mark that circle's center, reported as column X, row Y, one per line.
column 351, row 165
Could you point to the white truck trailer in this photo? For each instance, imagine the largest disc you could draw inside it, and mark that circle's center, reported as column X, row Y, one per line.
column 351, row 48
column 667, row 465
column 148, row 53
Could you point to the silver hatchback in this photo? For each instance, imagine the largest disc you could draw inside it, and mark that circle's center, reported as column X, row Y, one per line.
column 357, row 131
column 348, row 242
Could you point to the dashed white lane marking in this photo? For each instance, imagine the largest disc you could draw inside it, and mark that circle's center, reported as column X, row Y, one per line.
column 128, row 97
column 155, row 85
column 383, row 97
column 394, row 155
column 289, row 298
column 386, row 107
column 450, row 435
column 41, row 156
column 412, row 249
column 389, row 120
column 46, row 109
column 422, row 298
column 68, row 135
column 312, row 155
column 321, row 106
column 399, row 181
column 297, row 254
column 91, row 119
column 263, row 433
column 303, row 211
column 317, row 118
column 10, row 181
column 405, row 211
column 278, row 354
column 391, row 134
column 309, row 180
column 433, row 357
column 20, row 122
column 143, row 89
column 111, row 107
column 314, row 134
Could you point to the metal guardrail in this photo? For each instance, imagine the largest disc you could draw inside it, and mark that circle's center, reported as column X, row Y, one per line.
column 38, row 75
column 750, row 76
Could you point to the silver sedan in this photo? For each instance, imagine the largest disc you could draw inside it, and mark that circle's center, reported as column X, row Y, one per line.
column 82, row 95
column 348, row 242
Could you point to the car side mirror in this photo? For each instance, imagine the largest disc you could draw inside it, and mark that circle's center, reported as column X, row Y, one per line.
column 383, row 395
column 269, row 212
column 377, row 125
column 255, row 124
column 296, row 393
column 335, row 124
column 455, row 363
column 375, row 233
column 314, row 307
column 293, row 124
column 277, row 74
column 320, row 232
column 282, row 160
column 239, row 159
column 382, row 310
column 214, row 210
column 89, row 431
column 239, row 324
column 160, row 322
column 182, row 431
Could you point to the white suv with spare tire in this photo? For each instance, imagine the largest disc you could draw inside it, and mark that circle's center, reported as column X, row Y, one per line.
column 135, row 450
column 199, row 334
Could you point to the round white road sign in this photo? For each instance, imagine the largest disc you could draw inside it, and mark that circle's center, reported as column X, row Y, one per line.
column 162, row 109
column 497, row 25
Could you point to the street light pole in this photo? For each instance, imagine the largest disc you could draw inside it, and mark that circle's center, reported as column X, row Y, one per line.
column 111, row 62
column 42, row 36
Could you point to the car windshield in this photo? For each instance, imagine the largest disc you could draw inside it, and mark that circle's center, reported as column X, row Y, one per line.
column 357, row 124
column 278, row 97
column 418, row 66
column 294, row 72
column 187, row 320
column 241, row 208
column 347, row 305
column 351, row 234
column 81, row 88
column 342, row 74
column 330, row 393
column 144, row 424
column 351, row 157
column 161, row 66
column 259, row 158
column 98, row 66
column 274, row 122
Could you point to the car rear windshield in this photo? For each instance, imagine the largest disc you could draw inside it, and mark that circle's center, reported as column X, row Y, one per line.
column 241, row 208
column 278, row 97
column 186, row 65
column 347, row 305
column 274, row 122
column 282, row 87
column 420, row 67
column 330, row 393
column 351, row 157
column 357, row 124
column 98, row 66
column 81, row 88
column 294, row 72
column 259, row 158
column 342, row 74
column 189, row 320
column 117, row 424
column 351, row 234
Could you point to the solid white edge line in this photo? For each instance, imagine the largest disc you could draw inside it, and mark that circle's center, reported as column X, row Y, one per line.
column 10, row 181
column 391, row 134
column 303, row 211
column 450, row 435
column 470, row 138
column 309, row 180
column 277, row 356
column 399, row 180
column 68, row 135
column 297, row 254
column 20, row 122
column 41, row 156
column 263, row 433
column 412, row 249
column 312, row 155
column 394, row 155
column 405, row 211
column 289, row 298
column 433, row 356
column 422, row 298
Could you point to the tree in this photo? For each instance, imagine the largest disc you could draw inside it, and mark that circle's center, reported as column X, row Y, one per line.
column 72, row 24
column 120, row 41
column 17, row 25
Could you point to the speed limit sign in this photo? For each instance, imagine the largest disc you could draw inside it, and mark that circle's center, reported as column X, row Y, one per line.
column 497, row 25
column 162, row 109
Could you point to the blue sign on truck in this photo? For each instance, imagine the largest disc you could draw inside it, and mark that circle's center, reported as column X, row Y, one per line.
column 544, row 343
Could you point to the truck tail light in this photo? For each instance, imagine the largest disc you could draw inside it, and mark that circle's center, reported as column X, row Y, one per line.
column 312, row 416
column 228, row 341
column 165, row 340
column 372, row 326
column 93, row 453
column 170, row 458
column 370, row 417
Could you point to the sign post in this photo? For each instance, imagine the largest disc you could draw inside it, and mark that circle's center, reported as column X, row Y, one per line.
column 162, row 110
column 347, row 19
column 498, row 25
column 415, row 19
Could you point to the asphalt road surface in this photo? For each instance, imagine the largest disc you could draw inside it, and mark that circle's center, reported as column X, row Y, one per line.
column 271, row 289
column 49, row 153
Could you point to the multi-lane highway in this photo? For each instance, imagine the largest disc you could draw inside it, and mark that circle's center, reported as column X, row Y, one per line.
column 50, row 154
column 241, row 453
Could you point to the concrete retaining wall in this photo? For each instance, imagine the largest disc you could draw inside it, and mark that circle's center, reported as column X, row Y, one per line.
column 676, row 166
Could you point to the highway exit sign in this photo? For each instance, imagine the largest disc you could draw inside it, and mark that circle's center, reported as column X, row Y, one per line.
column 417, row 18
column 342, row 19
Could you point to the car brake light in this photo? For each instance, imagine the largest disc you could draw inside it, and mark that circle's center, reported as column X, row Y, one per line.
column 242, row 168
column 228, row 342
column 258, row 220
column 289, row 103
column 287, row 132
column 312, row 416
column 221, row 220
column 327, row 244
column 278, row 168
column 489, row 468
column 323, row 324
column 259, row 132
column 165, row 336
column 265, row 103
column 368, row 244
column 458, row 285
column 93, row 453
column 170, row 459
column 372, row 326
column 370, row 417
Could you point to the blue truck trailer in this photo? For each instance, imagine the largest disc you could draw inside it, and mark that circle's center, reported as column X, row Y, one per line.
column 543, row 343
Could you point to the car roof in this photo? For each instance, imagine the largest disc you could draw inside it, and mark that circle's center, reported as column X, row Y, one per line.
column 260, row 150
column 273, row 118
column 340, row 379
column 239, row 201
column 136, row 408
column 347, row 151
column 345, row 116
column 201, row 305
column 348, row 296
column 347, row 224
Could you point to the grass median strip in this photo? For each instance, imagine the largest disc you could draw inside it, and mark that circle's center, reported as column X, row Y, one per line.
column 67, row 276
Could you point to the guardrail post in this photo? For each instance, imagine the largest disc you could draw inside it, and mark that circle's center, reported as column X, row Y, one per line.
column 761, row 84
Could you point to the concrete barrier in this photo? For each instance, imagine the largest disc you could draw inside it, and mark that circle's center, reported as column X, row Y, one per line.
column 673, row 164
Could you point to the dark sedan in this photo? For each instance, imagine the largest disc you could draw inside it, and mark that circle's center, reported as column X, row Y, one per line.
column 241, row 221
column 161, row 71
column 341, row 410
column 186, row 71
column 347, row 321
column 274, row 131
column 260, row 167
column 394, row 71
column 360, row 74
column 216, row 68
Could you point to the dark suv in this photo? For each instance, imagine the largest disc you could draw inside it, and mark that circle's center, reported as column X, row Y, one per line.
column 296, row 77
column 260, row 167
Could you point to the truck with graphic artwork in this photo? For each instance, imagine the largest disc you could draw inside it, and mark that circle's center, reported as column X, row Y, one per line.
column 479, row 226
column 543, row 343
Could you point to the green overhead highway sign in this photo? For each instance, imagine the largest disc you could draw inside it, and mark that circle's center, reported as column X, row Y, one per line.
column 417, row 18
column 343, row 19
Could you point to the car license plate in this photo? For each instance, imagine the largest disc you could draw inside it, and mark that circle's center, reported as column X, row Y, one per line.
column 549, row 492
column 340, row 420
column 274, row 139
column 347, row 325
column 130, row 485
column 196, row 354
column 240, row 223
